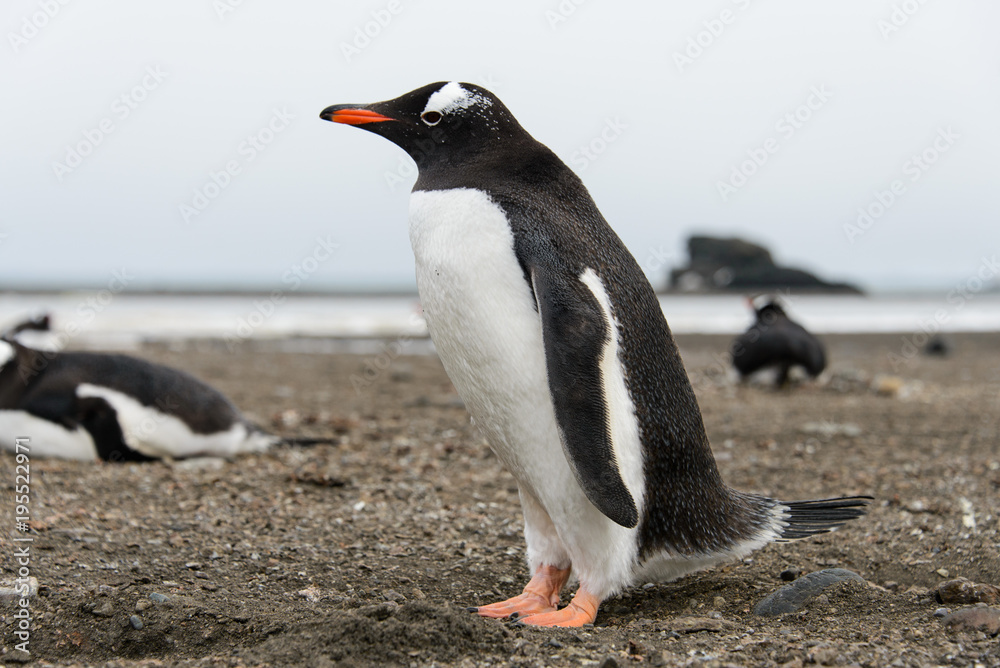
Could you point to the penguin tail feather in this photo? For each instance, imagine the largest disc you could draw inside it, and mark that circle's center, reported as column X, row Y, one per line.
column 306, row 441
column 301, row 441
column 808, row 518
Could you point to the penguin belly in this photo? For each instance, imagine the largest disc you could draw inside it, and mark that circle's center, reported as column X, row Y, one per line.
column 481, row 315
column 155, row 434
column 45, row 438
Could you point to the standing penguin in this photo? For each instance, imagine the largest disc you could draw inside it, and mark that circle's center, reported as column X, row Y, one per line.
column 557, row 344
column 77, row 405
column 774, row 340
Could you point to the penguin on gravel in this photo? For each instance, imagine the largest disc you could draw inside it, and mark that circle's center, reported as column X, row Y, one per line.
column 558, row 346
column 76, row 405
column 776, row 341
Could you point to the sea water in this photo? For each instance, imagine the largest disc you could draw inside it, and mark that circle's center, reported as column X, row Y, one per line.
column 107, row 321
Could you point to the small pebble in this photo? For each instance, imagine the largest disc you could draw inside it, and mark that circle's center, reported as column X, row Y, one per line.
column 157, row 597
column 105, row 609
column 941, row 612
column 392, row 595
column 143, row 605
column 17, row 656
column 11, row 590
column 136, row 622
column 790, row 574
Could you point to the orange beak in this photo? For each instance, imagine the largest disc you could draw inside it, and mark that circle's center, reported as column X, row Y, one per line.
column 352, row 115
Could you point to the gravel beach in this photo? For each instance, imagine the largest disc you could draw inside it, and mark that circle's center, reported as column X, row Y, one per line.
column 367, row 551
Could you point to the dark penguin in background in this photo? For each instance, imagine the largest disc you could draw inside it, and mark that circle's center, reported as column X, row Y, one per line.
column 76, row 405
column 555, row 341
column 776, row 341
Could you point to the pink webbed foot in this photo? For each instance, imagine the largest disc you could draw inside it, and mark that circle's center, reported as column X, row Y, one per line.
column 541, row 595
column 581, row 610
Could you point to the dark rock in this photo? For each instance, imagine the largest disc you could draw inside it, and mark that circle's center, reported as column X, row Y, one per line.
column 975, row 619
column 790, row 574
column 963, row 591
column 136, row 622
column 793, row 597
column 731, row 264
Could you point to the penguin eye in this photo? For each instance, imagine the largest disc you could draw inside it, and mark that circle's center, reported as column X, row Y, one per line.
column 431, row 117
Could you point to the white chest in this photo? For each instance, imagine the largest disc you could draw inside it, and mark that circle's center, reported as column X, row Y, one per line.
column 481, row 315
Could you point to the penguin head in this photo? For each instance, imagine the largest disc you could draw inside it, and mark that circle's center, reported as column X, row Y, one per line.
column 767, row 306
column 444, row 123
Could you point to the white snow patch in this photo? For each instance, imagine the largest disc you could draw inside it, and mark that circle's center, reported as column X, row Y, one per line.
column 452, row 96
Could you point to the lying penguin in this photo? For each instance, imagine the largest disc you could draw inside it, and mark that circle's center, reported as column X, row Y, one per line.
column 559, row 348
column 775, row 341
column 78, row 405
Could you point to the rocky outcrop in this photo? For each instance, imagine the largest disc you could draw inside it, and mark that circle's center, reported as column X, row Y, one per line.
column 735, row 265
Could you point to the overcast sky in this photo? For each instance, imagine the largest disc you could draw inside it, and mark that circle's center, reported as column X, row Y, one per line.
column 773, row 120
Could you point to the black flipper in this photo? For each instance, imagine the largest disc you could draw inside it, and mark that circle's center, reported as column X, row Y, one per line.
column 574, row 333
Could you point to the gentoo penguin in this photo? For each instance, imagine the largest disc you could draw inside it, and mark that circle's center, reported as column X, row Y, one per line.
column 774, row 340
column 557, row 344
column 76, row 405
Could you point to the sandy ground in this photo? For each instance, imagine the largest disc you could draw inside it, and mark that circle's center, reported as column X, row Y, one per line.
column 367, row 552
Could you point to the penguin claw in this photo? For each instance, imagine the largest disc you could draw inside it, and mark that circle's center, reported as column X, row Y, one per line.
column 517, row 607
